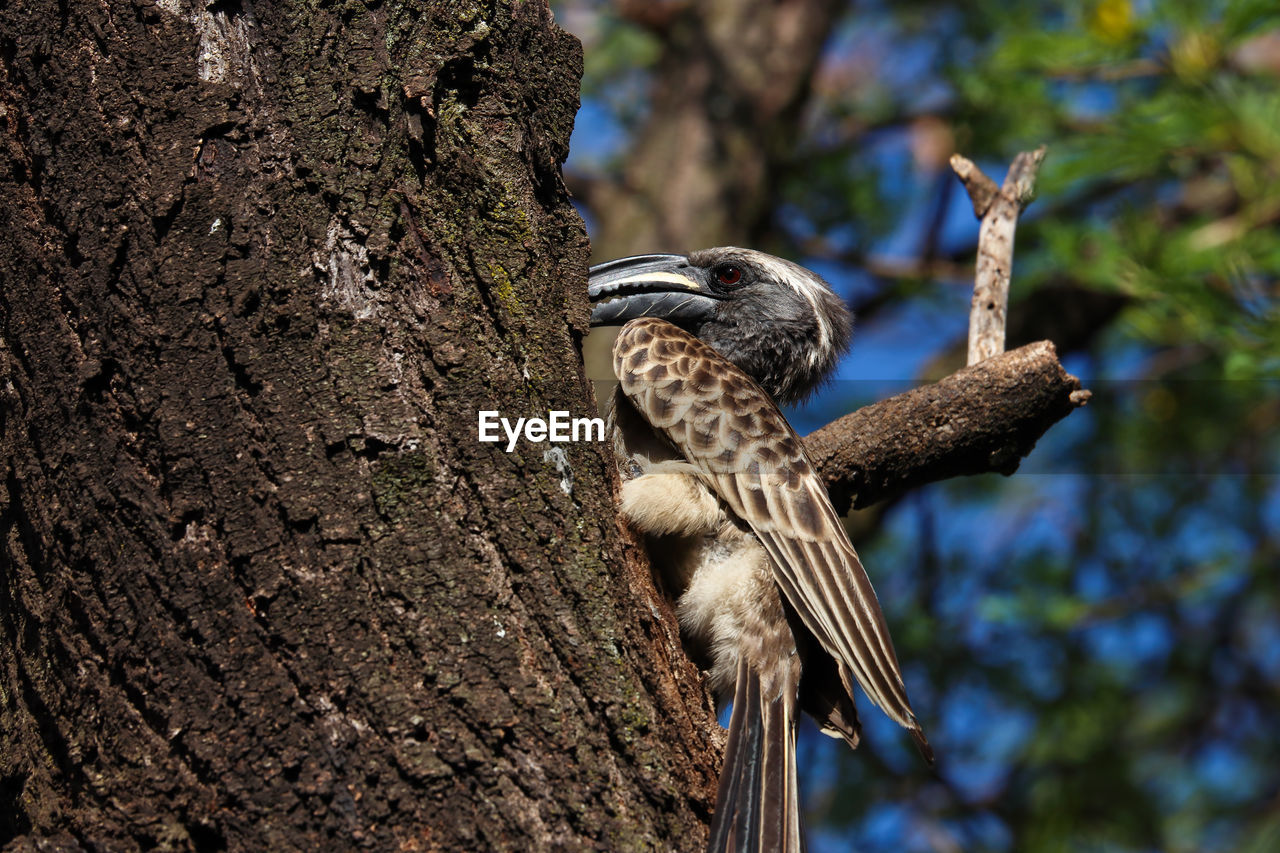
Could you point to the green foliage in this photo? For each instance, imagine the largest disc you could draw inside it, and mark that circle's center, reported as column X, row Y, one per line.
column 1163, row 178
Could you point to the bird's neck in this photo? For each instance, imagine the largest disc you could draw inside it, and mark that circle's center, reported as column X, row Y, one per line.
column 779, row 361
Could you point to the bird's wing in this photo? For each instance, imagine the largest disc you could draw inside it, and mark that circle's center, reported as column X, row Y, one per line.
column 731, row 430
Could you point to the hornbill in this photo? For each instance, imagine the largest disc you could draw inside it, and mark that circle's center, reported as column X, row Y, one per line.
column 771, row 598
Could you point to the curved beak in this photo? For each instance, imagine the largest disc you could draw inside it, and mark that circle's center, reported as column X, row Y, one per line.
column 663, row 286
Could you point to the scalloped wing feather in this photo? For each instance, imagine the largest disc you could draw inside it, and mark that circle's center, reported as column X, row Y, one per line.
column 734, row 434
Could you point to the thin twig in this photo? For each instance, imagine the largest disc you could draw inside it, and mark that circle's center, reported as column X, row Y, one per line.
column 1110, row 73
column 998, row 208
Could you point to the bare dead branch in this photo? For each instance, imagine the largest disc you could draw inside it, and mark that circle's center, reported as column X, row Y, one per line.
column 657, row 18
column 1131, row 70
column 998, row 210
column 985, row 417
column 982, row 190
column 915, row 268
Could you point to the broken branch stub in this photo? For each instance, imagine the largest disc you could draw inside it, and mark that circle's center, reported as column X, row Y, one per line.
column 998, row 208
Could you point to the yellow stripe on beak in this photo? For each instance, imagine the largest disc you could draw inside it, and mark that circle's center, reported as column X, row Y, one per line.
column 671, row 277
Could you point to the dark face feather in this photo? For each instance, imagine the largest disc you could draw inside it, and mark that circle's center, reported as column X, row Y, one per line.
column 776, row 320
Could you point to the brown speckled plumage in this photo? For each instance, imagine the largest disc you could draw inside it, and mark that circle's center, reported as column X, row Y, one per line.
column 772, row 599
column 734, row 435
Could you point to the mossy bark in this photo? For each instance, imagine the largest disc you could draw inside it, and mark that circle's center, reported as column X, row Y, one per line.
column 263, row 589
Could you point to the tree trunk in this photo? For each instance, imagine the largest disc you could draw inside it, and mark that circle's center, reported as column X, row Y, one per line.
column 263, row 589
column 725, row 106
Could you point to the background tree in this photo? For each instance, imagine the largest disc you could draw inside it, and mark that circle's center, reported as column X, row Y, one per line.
column 1093, row 640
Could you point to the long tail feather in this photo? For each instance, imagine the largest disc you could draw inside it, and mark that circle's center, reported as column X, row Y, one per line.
column 758, row 803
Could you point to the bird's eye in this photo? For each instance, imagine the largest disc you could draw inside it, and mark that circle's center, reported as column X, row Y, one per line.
column 728, row 274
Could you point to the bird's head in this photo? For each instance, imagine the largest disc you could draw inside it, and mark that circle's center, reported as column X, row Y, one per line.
column 776, row 320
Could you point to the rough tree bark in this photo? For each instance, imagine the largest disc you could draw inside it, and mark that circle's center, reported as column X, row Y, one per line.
column 262, row 589
column 984, row 418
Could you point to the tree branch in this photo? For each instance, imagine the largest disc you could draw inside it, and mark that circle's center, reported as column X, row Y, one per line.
column 986, row 417
column 998, row 208
column 983, row 418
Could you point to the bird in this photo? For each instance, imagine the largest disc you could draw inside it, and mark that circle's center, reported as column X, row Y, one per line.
column 772, row 601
